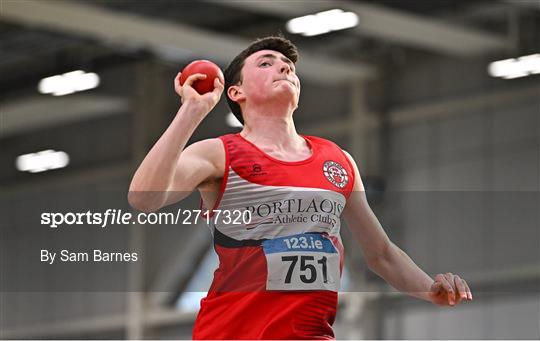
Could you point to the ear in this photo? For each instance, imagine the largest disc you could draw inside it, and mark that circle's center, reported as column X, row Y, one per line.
column 235, row 93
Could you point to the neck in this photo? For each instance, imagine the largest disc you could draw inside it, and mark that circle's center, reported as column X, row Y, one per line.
column 270, row 128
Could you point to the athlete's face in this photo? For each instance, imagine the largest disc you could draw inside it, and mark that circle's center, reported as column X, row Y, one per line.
column 269, row 75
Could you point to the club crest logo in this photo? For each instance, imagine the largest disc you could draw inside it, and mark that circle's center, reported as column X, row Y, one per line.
column 336, row 174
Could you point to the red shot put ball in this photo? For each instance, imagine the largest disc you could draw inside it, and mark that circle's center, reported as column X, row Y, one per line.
column 206, row 67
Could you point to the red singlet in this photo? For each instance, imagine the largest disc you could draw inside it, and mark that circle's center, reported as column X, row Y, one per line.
column 280, row 263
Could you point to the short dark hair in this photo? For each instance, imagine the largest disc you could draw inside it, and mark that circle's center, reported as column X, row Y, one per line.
column 234, row 70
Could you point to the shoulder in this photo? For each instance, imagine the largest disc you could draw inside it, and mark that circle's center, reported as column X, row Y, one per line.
column 358, row 184
column 349, row 156
column 211, row 150
column 351, row 161
column 212, row 146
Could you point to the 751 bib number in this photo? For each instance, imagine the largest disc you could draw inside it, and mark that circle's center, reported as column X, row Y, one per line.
column 306, row 265
column 302, row 262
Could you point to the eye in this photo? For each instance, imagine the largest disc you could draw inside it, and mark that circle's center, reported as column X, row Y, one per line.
column 267, row 63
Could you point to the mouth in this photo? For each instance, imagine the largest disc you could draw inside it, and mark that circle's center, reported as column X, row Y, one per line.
column 283, row 79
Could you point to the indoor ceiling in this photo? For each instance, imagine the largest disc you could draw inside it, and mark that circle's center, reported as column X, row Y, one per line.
column 32, row 49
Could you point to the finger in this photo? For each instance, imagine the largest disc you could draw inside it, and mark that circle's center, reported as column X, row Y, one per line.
column 194, row 77
column 441, row 290
column 218, row 82
column 436, row 287
column 449, row 289
column 450, row 279
column 218, row 86
column 439, row 277
column 446, row 286
column 469, row 292
column 438, row 284
column 461, row 290
column 177, row 81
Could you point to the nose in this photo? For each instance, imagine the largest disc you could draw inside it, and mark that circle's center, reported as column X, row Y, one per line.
column 285, row 68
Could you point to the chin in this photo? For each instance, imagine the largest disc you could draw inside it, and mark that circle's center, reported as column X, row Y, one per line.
column 288, row 90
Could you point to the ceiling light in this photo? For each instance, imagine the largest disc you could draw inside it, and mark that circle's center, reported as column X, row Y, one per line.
column 42, row 161
column 68, row 83
column 515, row 67
column 322, row 22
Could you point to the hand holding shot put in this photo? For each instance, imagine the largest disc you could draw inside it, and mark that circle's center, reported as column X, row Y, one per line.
column 200, row 82
column 170, row 171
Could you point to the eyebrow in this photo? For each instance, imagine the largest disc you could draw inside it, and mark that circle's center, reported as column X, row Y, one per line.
column 273, row 56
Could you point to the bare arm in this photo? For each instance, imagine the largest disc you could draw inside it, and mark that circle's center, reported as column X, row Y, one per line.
column 164, row 176
column 388, row 261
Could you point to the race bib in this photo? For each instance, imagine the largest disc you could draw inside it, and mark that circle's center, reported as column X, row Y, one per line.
column 307, row 261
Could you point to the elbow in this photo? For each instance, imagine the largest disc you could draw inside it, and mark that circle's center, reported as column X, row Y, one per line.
column 380, row 257
column 373, row 264
column 141, row 201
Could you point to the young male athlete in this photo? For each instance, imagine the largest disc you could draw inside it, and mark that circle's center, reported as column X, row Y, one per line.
column 279, row 273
